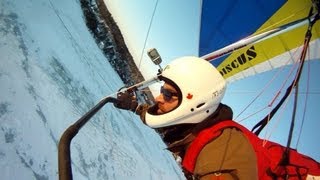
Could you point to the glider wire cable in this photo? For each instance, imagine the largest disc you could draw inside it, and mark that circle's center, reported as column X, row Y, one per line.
column 285, row 156
column 305, row 105
column 266, row 88
column 316, row 5
column 260, row 125
column 148, row 32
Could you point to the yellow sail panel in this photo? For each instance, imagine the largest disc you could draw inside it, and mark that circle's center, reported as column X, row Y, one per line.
column 275, row 46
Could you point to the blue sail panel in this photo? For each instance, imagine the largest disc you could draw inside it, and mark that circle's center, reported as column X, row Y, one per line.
column 229, row 21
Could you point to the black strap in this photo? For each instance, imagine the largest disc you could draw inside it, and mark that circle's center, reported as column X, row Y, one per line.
column 261, row 124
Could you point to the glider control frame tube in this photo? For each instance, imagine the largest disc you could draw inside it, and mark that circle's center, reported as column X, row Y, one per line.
column 64, row 157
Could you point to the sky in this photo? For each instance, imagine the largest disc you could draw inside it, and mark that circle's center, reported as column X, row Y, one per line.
column 134, row 19
column 174, row 33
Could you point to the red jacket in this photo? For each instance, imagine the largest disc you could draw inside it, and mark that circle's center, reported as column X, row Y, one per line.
column 268, row 155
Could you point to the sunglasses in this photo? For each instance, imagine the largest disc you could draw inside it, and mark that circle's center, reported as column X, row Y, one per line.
column 167, row 94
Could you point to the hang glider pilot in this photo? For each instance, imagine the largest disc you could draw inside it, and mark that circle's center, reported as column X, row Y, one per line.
column 187, row 114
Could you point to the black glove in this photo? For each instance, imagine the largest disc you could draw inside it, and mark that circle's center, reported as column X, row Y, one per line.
column 126, row 100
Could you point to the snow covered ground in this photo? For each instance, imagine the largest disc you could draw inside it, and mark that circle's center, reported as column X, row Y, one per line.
column 51, row 73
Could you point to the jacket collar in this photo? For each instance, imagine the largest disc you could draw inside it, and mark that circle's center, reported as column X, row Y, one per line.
column 179, row 137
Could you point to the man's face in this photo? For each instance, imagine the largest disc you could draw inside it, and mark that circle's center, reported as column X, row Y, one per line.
column 167, row 100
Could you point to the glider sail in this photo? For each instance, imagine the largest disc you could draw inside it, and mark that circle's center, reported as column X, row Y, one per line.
column 281, row 24
column 244, row 38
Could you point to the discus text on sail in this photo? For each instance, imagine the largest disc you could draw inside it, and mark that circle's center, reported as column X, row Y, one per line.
column 241, row 60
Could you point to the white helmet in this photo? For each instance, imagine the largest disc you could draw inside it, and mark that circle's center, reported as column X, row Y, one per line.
column 200, row 87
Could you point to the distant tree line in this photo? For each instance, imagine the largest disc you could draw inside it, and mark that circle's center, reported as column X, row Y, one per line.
column 110, row 40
